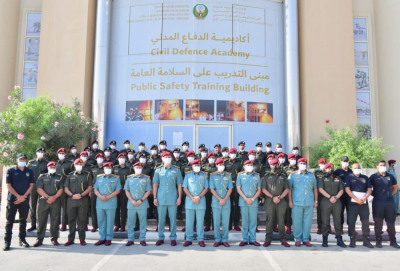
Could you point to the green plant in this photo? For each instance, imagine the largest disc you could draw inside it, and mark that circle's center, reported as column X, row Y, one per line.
column 41, row 122
column 354, row 142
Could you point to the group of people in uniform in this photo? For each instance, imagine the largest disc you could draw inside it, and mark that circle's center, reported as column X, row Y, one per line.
column 121, row 190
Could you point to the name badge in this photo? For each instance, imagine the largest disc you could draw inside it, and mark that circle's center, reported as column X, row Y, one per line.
column 255, row 178
column 201, row 177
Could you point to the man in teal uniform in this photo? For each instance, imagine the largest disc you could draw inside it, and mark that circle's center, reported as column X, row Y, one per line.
column 303, row 198
column 248, row 186
column 137, row 190
column 50, row 189
column 107, row 187
column 195, row 187
column 221, row 188
column 167, row 188
column 96, row 170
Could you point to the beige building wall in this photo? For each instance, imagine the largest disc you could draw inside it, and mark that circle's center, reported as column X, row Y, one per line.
column 326, row 67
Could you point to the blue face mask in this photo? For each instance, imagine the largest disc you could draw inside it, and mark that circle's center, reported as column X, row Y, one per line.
column 21, row 164
column 395, row 166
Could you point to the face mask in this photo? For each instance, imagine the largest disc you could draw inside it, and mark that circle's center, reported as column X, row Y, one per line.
column 328, row 170
column 249, row 168
column 295, row 152
column 185, row 148
column 382, row 169
column 162, row 147
column 112, row 147
column 141, row 148
column 395, row 166
column 107, row 171
column 279, row 149
column 167, row 161
column 203, row 155
column 142, row 160
column 130, row 156
column 21, row 164
column 84, row 159
column 225, row 154
column 153, row 152
column 321, row 167
column 196, row 169
column 282, row 160
column 127, row 146
column 99, row 160
column 221, row 168
column 121, row 161
column 78, row 168
column 211, row 160
column 107, row 153
column 190, row 159
column 52, row 170
column 61, row 156
column 293, row 162
column 269, row 149
column 357, row 171
column 138, row 171
column 73, row 151
column 259, row 149
column 252, row 157
column 303, row 167
column 345, row 164
column 95, row 146
column 176, row 155
column 39, row 155
column 232, row 155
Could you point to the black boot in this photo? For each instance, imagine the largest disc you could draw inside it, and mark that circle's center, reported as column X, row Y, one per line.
column 325, row 241
column 353, row 241
column 366, row 242
column 6, row 246
column 393, row 243
column 378, row 242
column 340, row 242
column 23, row 243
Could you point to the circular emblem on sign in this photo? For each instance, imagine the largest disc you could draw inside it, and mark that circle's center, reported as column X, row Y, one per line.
column 200, row 11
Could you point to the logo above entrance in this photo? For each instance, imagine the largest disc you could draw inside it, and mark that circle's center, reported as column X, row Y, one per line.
column 200, row 11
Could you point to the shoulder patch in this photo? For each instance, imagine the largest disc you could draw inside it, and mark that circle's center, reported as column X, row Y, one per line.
column 213, row 173
column 101, row 175
column 159, row 166
column 188, row 172
column 293, row 172
column 147, row 176
column 116, row 176
column 226, row 172
column 242, row 172
column 176, row 166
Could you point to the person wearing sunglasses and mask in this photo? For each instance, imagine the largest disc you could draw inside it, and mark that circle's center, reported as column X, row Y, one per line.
column 121, row 211
column 39, row 166
column 343, row 172
column 95, row 149
column 234, row 166
column 20, row 182
column 98, row 169
column 114, row 152
column 209, row 168
column 127, row 147
column 64, row 167
column 50, row 190
column 392, row 170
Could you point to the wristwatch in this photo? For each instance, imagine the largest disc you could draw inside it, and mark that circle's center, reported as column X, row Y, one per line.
column 316, row 201
column 252, row 199
column 335, row 197
column 279, row 197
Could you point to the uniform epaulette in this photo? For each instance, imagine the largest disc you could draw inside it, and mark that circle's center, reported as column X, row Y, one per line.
column 72, row 172
column 132, row 175
column 188, row 172
column 293, row 172
column 205, row 172
column 147, row 176
column 175, row 166
column 256, row 173
column 226, row 172
column 242, row 172
column 42, row 174
column 101, row 175
column 213, row 173
column 159, row 166
column 116, row 176
column 31, row 161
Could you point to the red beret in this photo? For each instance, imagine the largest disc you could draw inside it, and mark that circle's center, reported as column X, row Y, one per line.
column 291, row 156
column 231, row 150
column 196, row 162
column 138, row 164
column 247, row 162
column 62, row 150
column 274, row 162
column 77, row 161
column 328, row 165
column 190, row 153
column 83, row 153
column 219, row 161
column 271, row 156
column 122, row 154
column 108, row 164
column 391, row 161
column 165, row 153
column 210, row 154
column 302, row 160
column 51, row 163
column 99, row 155
column 322, row 161
column 281, row 155
column 251, row 151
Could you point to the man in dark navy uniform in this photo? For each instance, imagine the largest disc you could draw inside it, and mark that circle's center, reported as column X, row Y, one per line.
column 20, row 181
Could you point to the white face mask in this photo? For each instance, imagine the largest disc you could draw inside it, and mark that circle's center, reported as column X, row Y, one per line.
column 99, row 160
column 39, row 155
column 84, row 159
column 279, row 149
column 357, row 171
column 52, row 170
column 107, row 171
column 21, row 164
column 295, row 152
column 321, row 167
column 185, row 148
column 127, row 146
column 190, row 159
column 167, row 161
column 203, row 155
column 107, row 153
column 259, row 149
column 302, row 167
column 345, row 164
column 221, row 168
column 282, row 160
column 211, row 160
column 252, row 157
column 95, row 146
column 153, row 152
column 249, row 168
column 61, row 156
column 130, row 156
column 269, row 149
column 121, row 161
column 162, row 147
column 138, row 170
column 382, row 169
column 232, row 155
column 196, row 169
column 142, row 160
column 73, row 151
column 141, row 148
column 78, row 167
column 293, row 162
column 176, row 155
column 225, row 154
column 113, row 147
